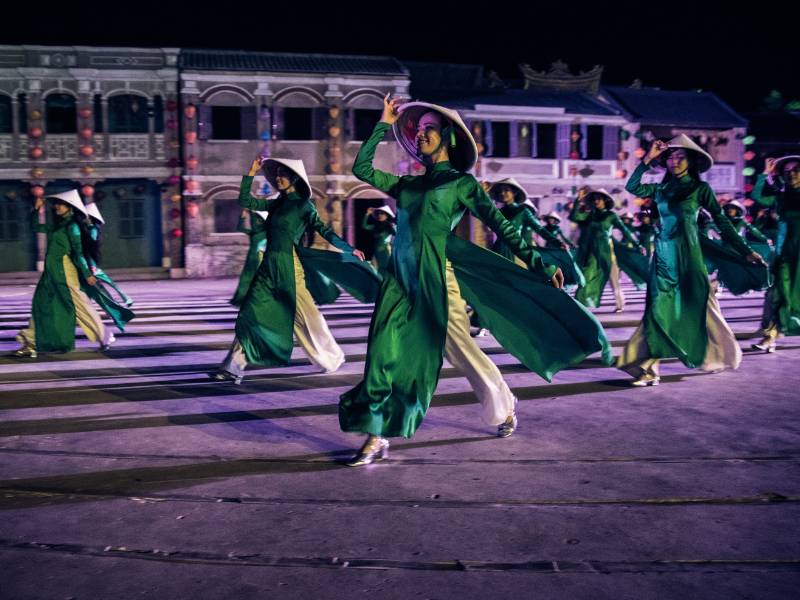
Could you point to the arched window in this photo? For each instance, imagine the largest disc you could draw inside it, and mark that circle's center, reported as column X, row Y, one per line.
column 6, row 122
column 127, row 113
column 61, row 115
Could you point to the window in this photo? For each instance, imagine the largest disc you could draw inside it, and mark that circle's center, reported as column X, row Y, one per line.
column 9, row 221
column 98, row 113
column 131, row 218
column 297, row 123
column 127, row 114
column 158, row 114
column 226, row 214
column 226, row 123
column 6, row 123
column 525, row 139
column 594, row 142
column 364, row 120
column 501, row 141
column 60, row 114
column 545, row 140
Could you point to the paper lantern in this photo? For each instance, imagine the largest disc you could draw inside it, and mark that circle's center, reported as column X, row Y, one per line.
column 190, row 111
column 176, row 233
column 175, row 197
column 35, row 114
column 37, row 173
column 639, row 153
column 86, row 132
column 748, row 202
column 36, row 132
column 749, row 155
column 36, row 152
column 173, row 179
column 192, row 209
column 748, row 171
column 87, row 150
column 87, row 169
column 87, row 191
column 749, row 139
column 193, row 186
column 172, row 124
column 574, row 155
column 334, row 131
column 335, row 167
column 480, row 148
column 174, row 213
column 264, row 113
column 171, row 105
column 85, row 113
column 265, row 136
column 190, row 137
column 622, row 155
column 37, row 191
column 748, row 187
column 333, row 112
column 621, row 173
column 173, row 163
column 191, row 163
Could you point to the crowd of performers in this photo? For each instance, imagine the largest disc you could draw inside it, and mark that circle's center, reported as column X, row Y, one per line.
column 426, row 282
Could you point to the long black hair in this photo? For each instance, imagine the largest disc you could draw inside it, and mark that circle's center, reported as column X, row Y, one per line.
column 91, row 247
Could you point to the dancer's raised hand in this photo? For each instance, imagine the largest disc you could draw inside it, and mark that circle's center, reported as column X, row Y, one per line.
column 769, row 167
column 657, row 148
column 255, row 167
column 390, row 106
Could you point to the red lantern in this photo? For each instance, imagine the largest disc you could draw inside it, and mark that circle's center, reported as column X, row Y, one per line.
column 87, row 191
column 86, row 132
column 621, row 173
column 190, row 111
column 36, row 132
column 748, row 187
column 85, row 113
column 176, row 233
column 191, row 163
column 172, row 124
column 334, row 131
column 749, row 155
column 190, row 137
column 622, row 155
column 37, row 191
column 36, row 152
column 35, row 115
column 174, row 213
column 574, row 155
column 192, row 209
column 639, row 153
column 171, row 105
column 173, row 163
column 87, row 169
column 193, row 186
column 174, row 179
column 87, row 150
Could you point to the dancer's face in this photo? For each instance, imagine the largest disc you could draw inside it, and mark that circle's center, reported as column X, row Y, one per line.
column 645, row 220
column 283, row 180
column 507, row 194
column 429, row 133
column 732, row 212
column 791, row 173
column 678, row 162
column 381, row 216
column 61, row 208
column 551, row 221
column 599, row 202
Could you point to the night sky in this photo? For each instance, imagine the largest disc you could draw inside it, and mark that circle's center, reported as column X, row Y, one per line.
column 740, row 54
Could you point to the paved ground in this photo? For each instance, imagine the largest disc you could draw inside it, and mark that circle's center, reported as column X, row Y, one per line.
column 131, row 475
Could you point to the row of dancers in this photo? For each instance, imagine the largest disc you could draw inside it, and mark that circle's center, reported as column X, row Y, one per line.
column 426, row 277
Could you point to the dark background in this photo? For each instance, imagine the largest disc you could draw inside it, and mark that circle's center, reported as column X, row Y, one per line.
column 741, row 52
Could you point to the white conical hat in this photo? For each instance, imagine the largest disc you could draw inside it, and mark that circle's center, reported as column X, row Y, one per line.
column 529, row 203
column 71, row 197
column 520, row 195
column 735, row 204
column 261, row 213
column 553, row 215
column 387, row 209
column 601, row 192
column 302, row 185
column 704, row 160
column 784, row 159
column 626, row 215
column 94, row 212
column 465, row 153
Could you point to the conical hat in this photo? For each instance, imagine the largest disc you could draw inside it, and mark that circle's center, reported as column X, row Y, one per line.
column 783, row 160
column 261, row 213
column 94, row 212
column 703, row 159
column 601, row 192
column 626, row 215
column 520, row 195
column 465, row 153
column 302, row 185
column 387, row 209
column 71, row 197
column 735, row 204
column 553, row 215
column 529, row 203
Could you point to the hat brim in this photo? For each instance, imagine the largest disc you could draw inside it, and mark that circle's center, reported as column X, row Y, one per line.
column 270, row 169
column 702, row 160
column 779, row 164
column 465, row 153
column 520, row 195
column 77, row 207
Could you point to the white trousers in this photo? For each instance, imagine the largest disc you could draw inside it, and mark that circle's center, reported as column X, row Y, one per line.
column 613, row 278
column 463, row 353
column 310, row 329
column 86, row 315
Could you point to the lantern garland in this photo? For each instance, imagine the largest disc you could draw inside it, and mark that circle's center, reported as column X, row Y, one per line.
column 334, row 142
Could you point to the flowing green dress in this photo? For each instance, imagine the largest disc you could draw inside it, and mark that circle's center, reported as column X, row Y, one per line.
column 674, row 318
column 121, row 315
column 266, row 318
column 257, row 232
column 733, row 271
column 537, row 323
column 382, row 233
column 782, row 303
column 594, row 250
